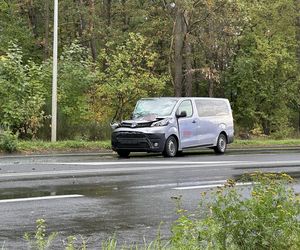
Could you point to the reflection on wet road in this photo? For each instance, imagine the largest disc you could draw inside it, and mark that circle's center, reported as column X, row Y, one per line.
column 95, row 196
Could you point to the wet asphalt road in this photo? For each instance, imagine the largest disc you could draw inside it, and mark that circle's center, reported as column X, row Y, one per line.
column 97, row 195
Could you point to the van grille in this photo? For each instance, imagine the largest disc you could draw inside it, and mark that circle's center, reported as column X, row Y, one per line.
column 129, row 135
column 137, row 141
column 137, row 125
column 131, row 140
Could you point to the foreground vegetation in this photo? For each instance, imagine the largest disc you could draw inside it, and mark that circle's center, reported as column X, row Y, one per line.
column 267, row 218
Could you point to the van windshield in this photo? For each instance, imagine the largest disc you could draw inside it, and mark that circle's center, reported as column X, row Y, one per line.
column 158, row 107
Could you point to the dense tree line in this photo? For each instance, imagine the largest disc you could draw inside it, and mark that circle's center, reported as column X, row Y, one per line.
column 113, row 52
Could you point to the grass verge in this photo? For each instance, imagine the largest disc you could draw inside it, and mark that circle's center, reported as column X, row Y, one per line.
column 37, row 146
column 46, row 146
column 265, row 142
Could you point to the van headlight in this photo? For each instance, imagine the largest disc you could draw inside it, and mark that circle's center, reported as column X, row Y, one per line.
column 115, row 125
column 163, row 122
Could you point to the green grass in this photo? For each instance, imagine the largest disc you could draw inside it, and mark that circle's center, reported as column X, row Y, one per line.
column 44, row 146
column 37, row 146
column 265, row 142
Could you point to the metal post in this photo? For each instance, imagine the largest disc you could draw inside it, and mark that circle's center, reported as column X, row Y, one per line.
column 54, row 76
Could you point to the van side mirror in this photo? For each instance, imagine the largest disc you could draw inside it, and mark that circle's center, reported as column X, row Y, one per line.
column 182, row 114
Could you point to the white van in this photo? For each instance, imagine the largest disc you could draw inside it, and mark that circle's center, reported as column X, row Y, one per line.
column 170, row 125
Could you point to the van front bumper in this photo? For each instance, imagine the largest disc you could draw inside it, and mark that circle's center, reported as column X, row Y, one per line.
column 138, row 141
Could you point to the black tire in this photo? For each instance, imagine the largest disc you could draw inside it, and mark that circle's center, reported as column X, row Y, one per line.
column 221, row 144
column 123, row 153
column 171, row 147
column 180, row 153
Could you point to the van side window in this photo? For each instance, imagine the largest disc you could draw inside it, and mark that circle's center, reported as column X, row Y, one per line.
column 211, row 108
column 187, row 107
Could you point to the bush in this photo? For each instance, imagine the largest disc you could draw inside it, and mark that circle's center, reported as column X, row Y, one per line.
column 268, row 219
column 8, row 141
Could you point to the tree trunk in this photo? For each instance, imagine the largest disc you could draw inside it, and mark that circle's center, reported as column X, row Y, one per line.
column 81, row 18
column 91, row 29
column 32, row 20
column 297, row 3
column 46, row 43
column 125, row 17
column 266, row 127
column 189, row 75
column 210, row 87
column 107, row 9
column 298, row 120
column 178, row 51
column 188, row 58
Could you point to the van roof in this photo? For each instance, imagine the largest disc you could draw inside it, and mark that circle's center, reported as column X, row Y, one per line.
column 181, row 98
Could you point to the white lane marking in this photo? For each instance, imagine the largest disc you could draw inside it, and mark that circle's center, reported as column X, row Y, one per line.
column 262, row 154
column 212, row 186
column 154, row 186
column 176, row 184
column 103, row 170
column 42, row 198
column 53, row 155
column 101, row 163
column 130, row 163
column 161, row 166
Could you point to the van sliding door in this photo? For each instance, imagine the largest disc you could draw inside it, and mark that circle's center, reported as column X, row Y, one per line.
column 187, row 126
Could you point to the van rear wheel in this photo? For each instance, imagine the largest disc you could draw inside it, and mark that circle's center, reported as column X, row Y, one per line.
column 171, row 147
column 221, row 144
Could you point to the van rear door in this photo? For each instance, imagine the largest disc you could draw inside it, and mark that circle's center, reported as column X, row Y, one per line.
column 212, row 114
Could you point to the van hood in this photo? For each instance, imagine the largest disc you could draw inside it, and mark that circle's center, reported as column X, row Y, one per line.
column 140, row 122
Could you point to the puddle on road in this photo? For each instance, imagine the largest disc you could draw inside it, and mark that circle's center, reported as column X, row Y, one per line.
column 93, row 190
column 86, row 190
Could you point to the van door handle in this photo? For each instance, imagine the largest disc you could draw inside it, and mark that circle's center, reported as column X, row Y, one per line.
column 194, row 121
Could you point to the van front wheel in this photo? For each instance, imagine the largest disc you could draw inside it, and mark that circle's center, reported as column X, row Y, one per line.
column 171, row 147
column 221, row 144
column 123, row 153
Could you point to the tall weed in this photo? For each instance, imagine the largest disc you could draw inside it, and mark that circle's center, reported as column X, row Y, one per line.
column 40, row 241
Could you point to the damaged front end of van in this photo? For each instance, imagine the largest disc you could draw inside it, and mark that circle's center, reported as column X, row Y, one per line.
column 148, row 129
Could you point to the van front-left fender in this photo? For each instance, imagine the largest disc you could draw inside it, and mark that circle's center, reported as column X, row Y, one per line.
column 173, row 131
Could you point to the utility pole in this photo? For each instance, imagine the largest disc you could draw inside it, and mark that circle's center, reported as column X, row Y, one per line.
column 54, row 75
